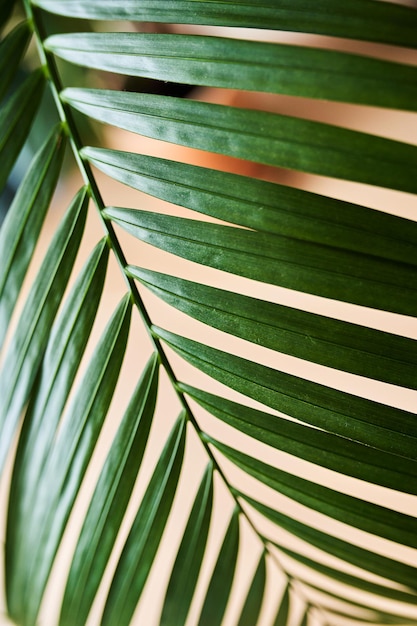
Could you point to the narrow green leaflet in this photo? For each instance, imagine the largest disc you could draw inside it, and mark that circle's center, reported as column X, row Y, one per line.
column 253, row 603
column 143, row 540
column 23, row 221
column 311, row 444
column 383, row 427
column 67, row 341
column 12, row 49
column 304, row 620
column 259, row 136
column 254, row 135
column 374, row 562
column 358, row 513
column 317, row 269
column 240, row 64
column 221, row 581
column 25, row 352
column 378, row 615
column 325, row 449
column 261, row 205
column 283, row 611
column 190, row 555
column 16, row 117
column 341, row 576
column 358, row 19
column 357, row 611
column 110, row 500
column 367, row 617
column 65, row 466
column 330, row 342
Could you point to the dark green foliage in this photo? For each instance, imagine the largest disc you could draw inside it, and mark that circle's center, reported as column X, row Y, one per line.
column 309, row 411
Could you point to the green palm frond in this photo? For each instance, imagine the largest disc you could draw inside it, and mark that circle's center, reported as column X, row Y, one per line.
column 232, row 441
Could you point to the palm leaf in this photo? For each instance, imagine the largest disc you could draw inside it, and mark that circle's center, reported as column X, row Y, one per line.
column 221, row 580
column 278, row 69
column 311, row 404
column 281, row 618
column 350, row 581
column 146, row 532
column 285, row 211
column 273, row 260
column 314, row 404
column 12, row 49
column 253, row 602
column 64, row 468
column 370, row 561
column 16, row 117
column 390, row 24
column 68, row 337
column 365, row 515
column 291, row 331
column 22, row 224
column 25, row 352
column 109, row 503
column 190, row 555
column 275, row 139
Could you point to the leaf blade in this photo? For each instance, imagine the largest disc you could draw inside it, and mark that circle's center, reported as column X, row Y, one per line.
column 24, row 219
column 253, row 602
column 16, row 117
column 110, row 499
column 221, row 580
column 386, row 23
column 269, row 138
column 6, row 7
column 144, row 537
column 327, row 341
column 283, row 611
column 12, row 49
column 285, row 211
column 311, row 444
column 184, row 575
column 286, row 262
column 351, row 417
column 242, row 64
column 374, row 519
column 65, row 349
column 351, row 580
column 25, row 352
column 373, row 562
column 66, row 465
